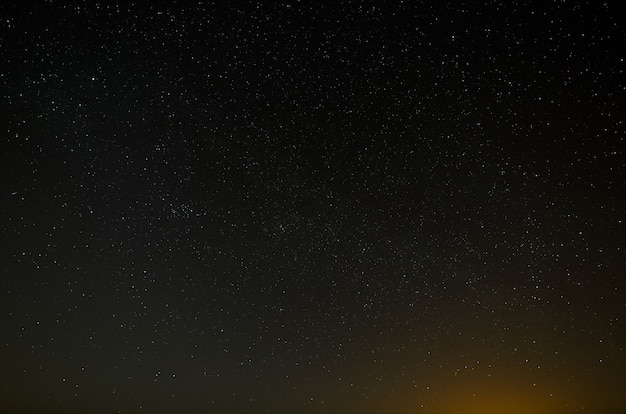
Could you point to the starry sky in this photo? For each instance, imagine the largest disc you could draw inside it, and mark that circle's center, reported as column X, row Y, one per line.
column 301, row 206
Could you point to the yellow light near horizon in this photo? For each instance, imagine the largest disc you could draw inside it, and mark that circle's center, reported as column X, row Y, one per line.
column 500, row 404
column 490, row 398
column 502, row 401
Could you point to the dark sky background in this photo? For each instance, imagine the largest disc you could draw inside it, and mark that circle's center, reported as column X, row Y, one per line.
column 341, row 206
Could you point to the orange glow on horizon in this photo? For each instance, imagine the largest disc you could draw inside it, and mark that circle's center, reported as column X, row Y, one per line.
column 506, row 397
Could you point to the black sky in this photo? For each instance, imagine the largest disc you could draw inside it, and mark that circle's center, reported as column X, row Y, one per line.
column 341, row 206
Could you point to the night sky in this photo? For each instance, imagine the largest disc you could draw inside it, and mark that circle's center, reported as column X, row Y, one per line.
column 334, row 206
